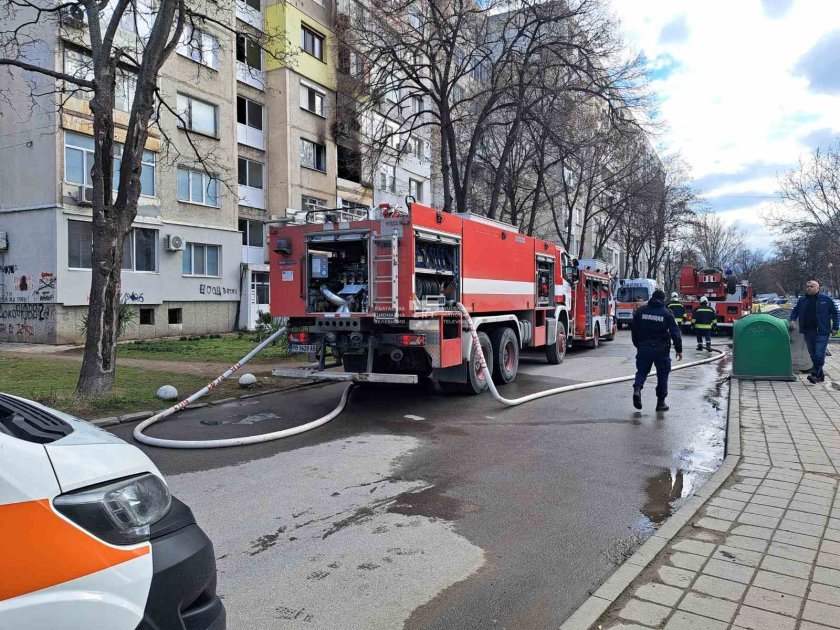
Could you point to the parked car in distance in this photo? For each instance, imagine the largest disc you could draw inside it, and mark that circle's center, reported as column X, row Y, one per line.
column 90, row 536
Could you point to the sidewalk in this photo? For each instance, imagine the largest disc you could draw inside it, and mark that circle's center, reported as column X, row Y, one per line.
column 762, row 552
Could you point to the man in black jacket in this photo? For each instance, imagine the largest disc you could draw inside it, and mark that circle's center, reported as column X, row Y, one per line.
column 653, row 330
column 677, row 308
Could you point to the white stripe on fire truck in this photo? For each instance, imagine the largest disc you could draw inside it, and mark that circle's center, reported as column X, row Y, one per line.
column 497, row 287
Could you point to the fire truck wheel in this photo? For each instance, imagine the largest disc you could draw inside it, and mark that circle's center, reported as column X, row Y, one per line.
column 505, row 355
column 596, row 337
column 556, row 352
column 476, row 380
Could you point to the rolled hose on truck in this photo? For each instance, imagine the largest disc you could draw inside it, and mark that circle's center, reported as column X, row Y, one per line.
column 284, row 433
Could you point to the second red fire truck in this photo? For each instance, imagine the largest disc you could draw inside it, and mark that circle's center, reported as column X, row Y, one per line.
column 376, row 289
column 731, row 298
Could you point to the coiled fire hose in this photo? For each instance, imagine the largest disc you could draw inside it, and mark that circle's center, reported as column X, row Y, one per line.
column 277, row 435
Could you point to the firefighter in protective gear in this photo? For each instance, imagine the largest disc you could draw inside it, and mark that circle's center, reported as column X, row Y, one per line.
column 704, row 319
column 677, row 308
column 653, row 330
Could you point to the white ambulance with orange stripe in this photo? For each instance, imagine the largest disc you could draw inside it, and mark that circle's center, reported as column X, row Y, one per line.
column 90, row 536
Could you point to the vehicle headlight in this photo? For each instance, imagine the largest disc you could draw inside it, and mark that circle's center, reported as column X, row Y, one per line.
column 119, row 512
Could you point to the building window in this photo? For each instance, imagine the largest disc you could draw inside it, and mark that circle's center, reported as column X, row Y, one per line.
column 312, row 42
column 199, row 46
column 387, row 178
column 80, row 65
column 415, row 189
column 197, row 187
column 260, row 286
column 311, row 99
column 248, row 52
column 313, row 155
column 416, row 104
column 250, row 173
column 249, row 113
column 78, row 162
column 79, row 244
column 254, row 4
column 252, row 232
column 312, row 203
column 175, row 315
column 201, row 260
column 140, row 249
column 138, row 17
column 147, row 316
column 198, row 116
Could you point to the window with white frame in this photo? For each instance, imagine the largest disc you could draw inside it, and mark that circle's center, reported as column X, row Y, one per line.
column 392, row 135
column 414, row 147
column 140, row 250
column 416, row 104
column 140, row 247
column 248, row 52
column 249, row 113
column 252, row 232
column 197, row 187
column 415, row 189
column 78, row 162
column 250, row 173
column 311, row 99
column 200, row 46
column 388, row 178
column 313, row 155
column 79, row 65
column 198, row 116
column 138, row 17
column 199, row 259
column 312, row 42
column 312, row 203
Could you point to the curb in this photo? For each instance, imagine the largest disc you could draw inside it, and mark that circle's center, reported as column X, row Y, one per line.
column 598, row 603
column 111, row 421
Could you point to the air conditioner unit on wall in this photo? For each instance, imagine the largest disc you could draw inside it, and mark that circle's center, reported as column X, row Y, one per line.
column 74, row 15
column 174, row 243
column 84, row 195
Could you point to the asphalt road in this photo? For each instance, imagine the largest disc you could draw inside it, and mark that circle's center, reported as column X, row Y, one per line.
column 419, row 509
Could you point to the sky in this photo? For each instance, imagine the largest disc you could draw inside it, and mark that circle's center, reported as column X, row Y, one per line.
column 745, row 88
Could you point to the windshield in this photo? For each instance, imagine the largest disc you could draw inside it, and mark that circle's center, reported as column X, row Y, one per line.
column 631, row 294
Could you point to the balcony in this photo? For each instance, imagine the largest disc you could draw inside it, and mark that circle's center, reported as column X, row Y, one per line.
column 251, row 197
column 253, row 255
column 250, row 76
column 250, row 137
column 249, row 15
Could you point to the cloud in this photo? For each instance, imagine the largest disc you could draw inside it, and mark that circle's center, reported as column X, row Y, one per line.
column 775, row 9
column 675, row 32
column 819, row 137
column 819, row 65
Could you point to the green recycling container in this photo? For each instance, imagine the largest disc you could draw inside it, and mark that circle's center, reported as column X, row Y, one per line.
column 761, row 349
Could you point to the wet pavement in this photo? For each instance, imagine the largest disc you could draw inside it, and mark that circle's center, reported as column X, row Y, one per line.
column 419, row 509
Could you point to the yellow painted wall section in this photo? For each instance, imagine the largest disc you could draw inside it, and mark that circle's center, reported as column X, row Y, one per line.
column 283, row 23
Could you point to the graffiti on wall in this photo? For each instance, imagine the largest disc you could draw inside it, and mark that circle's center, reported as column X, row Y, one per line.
column 27, row 287
column 27, row 322
column 45, row 291
column 216, row 289
column 132, row 297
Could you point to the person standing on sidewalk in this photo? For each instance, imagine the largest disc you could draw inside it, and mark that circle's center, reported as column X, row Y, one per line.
column 818, row 316
column 677, row 308
column 653, row 330
column 704, row 319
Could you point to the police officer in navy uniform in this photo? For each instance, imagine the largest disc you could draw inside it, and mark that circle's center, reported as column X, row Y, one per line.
column 654, row 328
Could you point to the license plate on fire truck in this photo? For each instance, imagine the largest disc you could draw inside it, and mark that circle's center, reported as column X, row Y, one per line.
column 303, row 347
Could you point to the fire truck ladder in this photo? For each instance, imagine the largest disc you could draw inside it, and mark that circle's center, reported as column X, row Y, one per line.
column 386, row 281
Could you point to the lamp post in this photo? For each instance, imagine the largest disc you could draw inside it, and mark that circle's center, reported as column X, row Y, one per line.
column 832, row 283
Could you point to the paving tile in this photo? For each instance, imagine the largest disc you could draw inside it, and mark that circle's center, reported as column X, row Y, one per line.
column 830, row 560
column 764, row 533
column 646, row 613
column 767, row 510
column 773, row 601
column 771, row 501
column 829, row 546
column 659, row 593
column 792, row 552
column 832, row 534
column 718, row 587
column 695, row 547
column 748, row 518
column 806, row 517
column 801, row 528
column 786, row 567
column 729, row 504
column 782, row 583
column 740, row 556
column 828, row 576
column 800, row 540
column 688, row 561
column 715, row 524
column 811, row 508
column 687, row 621
column 719, row 512
column 744, row 542
column 825, row 594
column 672, row 576
column 756, row 619
column 822, row 613
column 713, row 607
column 810, row 625
column 729, row 570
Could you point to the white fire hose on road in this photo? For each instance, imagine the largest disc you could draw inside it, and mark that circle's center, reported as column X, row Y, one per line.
column 277, row 435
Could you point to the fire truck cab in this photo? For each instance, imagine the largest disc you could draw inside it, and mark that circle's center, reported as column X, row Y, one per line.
column 376, row 289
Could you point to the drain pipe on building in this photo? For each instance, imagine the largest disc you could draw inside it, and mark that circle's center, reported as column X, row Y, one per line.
column 284, row 433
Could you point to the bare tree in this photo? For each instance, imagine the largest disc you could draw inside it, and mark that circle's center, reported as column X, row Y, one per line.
column 812, row 192
column 717, row 243
column 116, row 38
column 747, row 262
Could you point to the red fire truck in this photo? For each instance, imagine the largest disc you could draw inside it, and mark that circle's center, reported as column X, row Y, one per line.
column 377, row 289
column 730, row 298
column 592, row 304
